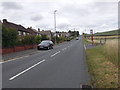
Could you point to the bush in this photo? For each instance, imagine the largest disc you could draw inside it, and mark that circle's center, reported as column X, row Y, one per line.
column 61, row 39
column 28, row 39
column 9, row 37
column 37, row 39
column 44, row 37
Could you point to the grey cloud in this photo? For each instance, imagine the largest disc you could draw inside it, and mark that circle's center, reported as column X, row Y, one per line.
column 75, row 10
column 62, row 26
column 36, row 18
column 11, row 5
column 42, row 26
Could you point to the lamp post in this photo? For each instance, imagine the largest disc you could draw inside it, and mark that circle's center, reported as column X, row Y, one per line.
column 55, row 24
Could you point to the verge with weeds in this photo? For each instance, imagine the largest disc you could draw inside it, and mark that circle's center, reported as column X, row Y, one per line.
column 104, row 71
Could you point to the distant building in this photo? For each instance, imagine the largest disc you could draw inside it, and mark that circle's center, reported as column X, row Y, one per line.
column 64, row 34
column 48, row 33
column 33, row 31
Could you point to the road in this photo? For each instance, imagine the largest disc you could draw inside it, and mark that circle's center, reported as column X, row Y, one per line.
column 62, row 67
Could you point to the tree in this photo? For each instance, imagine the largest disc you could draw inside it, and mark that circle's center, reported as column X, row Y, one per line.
column 44, row 37
column 28, row 39
column 37, row 39
column 77, row 33
column 9, row 37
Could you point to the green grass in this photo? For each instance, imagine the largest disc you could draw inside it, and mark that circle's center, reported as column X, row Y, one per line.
column 104, row 73
column 86, row 42
column 113, row 32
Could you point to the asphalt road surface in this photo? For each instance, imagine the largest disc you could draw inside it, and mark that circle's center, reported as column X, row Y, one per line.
column 62, row 67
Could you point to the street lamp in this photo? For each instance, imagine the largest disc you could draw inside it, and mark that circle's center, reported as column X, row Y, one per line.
column 55, row 24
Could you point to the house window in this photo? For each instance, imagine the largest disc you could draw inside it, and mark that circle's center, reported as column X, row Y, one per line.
column 24, row 33
column 19, row 33
column 28, row 33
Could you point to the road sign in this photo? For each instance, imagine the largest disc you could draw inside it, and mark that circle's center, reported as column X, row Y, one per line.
column 91, row 31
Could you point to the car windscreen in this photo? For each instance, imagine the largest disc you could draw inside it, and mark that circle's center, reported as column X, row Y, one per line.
column 44, row 43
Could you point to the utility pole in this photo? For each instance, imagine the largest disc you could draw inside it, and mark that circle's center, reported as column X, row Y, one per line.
column 74, row 29
column 55, row 24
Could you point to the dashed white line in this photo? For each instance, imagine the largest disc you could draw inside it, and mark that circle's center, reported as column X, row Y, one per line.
column 64, row 49
column 55, row 54
column 26, row 70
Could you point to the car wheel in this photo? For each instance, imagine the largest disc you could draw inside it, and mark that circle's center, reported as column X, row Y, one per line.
column 48, row 48
column 51, row 47
column 38, row 48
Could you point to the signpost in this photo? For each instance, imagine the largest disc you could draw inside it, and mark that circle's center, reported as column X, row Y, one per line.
column 91, row 32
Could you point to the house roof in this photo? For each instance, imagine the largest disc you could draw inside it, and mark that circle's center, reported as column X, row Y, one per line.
column 47, row 32
column 14, row 26
column 32, row 31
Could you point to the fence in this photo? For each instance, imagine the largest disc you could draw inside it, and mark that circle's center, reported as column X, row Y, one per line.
column 101, row 39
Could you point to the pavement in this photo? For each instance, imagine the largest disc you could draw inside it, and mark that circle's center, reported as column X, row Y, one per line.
column 18, row 54
column 62, row 67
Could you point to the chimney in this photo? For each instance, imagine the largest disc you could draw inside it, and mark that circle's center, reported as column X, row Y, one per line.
column 38, row 29
column 30, row 27
column 4, row 20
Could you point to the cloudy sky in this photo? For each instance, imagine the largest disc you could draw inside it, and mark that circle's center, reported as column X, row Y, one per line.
column 81, row 15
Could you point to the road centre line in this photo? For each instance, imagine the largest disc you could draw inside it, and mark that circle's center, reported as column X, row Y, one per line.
column 64, row 49
column 55, row 54
column 26, row 70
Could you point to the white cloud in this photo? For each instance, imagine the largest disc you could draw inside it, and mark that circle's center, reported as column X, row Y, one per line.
column 80, row 14
column 10, row 5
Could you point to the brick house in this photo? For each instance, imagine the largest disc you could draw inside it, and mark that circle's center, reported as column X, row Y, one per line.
column 22, row 31
column 62, row 34
column 48, row 33
column 33, row 31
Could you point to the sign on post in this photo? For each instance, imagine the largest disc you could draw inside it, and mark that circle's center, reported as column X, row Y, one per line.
column 91, row 32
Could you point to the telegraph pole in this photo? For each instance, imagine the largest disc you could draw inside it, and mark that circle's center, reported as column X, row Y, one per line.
column 55, row 24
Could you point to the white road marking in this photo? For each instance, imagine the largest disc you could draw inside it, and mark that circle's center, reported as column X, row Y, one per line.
column 68, row 46
column 14, row 59
column 26, row 70
column 84, row 46
column 55, row 54
column 64, row 49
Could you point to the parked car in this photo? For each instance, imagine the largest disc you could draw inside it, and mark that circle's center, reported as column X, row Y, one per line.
column 50, row 42
column 46, row 44
column 77, row 38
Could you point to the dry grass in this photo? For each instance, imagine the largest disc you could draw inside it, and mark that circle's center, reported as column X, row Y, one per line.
column 103, row 64
column 111, row 50
column 97, row 37
column 104, row 73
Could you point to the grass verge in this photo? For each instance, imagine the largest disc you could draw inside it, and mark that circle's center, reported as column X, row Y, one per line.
column 104, row 73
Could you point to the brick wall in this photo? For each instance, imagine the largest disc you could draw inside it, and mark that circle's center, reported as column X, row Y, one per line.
column 16, row 49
